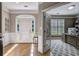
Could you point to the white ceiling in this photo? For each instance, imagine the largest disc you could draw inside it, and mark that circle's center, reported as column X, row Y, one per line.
column 20, row 5
column 63, row 10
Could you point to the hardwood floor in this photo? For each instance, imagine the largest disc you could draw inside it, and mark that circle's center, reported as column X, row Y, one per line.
column 22, row 50
column 6, row 48
column 25, row 49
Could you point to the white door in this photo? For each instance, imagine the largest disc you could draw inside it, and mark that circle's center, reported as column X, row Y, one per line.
column 25, row 30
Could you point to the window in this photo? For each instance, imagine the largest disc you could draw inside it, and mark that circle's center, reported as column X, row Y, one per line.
column 18, row 27
column 57, row 26
column 32, row 26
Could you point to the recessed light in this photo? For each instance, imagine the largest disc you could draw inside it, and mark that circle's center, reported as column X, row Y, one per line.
column 25, row 6
column 71, row 7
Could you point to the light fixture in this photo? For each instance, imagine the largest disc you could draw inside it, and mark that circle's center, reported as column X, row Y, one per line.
column 71, row 7
column 17, row 2
column 25, row 6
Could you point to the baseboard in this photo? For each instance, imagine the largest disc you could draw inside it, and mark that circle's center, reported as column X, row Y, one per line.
column 19, row 43
column 6, row 45
column 24, row 43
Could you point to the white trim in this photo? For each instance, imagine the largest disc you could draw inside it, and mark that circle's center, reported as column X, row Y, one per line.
column 23, row 11
column 29, row 17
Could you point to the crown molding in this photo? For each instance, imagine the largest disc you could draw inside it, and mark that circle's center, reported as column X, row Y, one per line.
column 22, row 11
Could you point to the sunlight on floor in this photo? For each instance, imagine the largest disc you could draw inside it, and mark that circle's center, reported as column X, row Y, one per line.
column 10, row 50
column 32, row 50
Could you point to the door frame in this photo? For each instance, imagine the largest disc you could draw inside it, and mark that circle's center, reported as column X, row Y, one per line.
column 16, row 21
column 24, row 15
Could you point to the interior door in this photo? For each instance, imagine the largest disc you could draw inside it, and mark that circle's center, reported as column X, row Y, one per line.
column 25, row 30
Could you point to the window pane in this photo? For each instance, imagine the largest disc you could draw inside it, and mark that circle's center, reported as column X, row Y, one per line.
column 60, row 30
column 57, row 26
column 17, row 27
column 32, row 21
column 32, row 26
column 53, row 27
column 60, row 26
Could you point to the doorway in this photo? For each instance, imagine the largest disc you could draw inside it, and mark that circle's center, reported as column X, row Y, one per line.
column 25, row 28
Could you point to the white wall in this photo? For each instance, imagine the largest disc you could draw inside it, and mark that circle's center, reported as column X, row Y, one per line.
column 5, row 14
column 20, row 38
column 40, row 44
column 6, row 39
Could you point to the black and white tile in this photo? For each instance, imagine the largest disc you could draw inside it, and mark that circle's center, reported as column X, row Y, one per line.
column 60, row 48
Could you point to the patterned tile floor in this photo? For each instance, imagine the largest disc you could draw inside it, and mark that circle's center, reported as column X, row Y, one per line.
column 60, row 48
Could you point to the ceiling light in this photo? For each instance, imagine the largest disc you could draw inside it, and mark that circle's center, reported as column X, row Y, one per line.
column 71, row 7
column 25, row 6
column 17, row 2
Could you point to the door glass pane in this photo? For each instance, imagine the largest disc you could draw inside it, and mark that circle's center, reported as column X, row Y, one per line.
column 32, row 26
column 60, row 26
column 18, row 27
column 53, row 27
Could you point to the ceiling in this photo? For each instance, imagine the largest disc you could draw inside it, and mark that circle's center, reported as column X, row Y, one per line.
column 63, row 10
column 20, row 5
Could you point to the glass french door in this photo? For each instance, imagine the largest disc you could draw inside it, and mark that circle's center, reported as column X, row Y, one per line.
column 57, row 27
column 54, row 27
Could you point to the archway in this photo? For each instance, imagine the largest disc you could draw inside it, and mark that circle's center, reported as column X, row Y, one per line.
column 25, row 28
